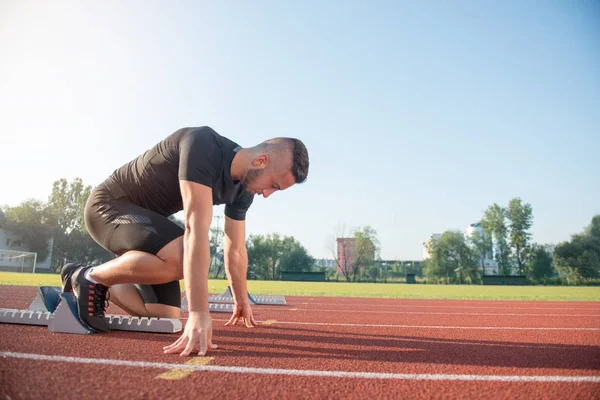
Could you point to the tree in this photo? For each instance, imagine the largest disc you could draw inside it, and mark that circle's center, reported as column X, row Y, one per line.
column 539, row 263
column 72, row 242
column 265, row 254
column 493, row 224
column 521, row 219
column 579, row 258
column 481, row 244
column 342, row 252
column 297, row 259
column 366, row 249
column 451, row 254
column 30, row 221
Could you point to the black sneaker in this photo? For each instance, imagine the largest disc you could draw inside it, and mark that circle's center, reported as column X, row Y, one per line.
column 65, row 276
column 91, row 300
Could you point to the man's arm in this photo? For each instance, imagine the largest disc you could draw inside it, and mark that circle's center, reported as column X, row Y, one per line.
column 198, row 208
column 236, row 259
column 236, row 265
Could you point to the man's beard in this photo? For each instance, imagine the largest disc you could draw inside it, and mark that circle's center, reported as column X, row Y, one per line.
column 250, row 176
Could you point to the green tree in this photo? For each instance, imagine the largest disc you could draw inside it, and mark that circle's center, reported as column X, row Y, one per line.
column 265, row 254
column 494, row 223
column 520, row 220
column 451, row 258
column 481, row 244
column 297, row 259
column 579, row 258
column 366, row 249
column 374, row 272
column 30, row 221
column 539, row 261
column 72, row 242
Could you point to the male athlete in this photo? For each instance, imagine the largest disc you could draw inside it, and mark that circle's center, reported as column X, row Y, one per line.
column 191, row 170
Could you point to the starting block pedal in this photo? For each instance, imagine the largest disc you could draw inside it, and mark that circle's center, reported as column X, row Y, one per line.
column 65, row 318
column 227, row 298
column 58, row 311
column 212, row 307
column 47, row 299
column 25, row 317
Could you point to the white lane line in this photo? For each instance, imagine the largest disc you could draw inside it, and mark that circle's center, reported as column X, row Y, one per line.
column 301, row 372
column 499, row 328
column 406, row 305
column 446, row 313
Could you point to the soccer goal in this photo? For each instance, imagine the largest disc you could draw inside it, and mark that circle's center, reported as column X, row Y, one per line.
column 17, row 261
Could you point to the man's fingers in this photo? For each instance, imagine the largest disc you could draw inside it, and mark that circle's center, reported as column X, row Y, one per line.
column 248, row 323
column 233, row 319
column 190, row 345
column 175, row 346
column 178, row 347
column 202, row 343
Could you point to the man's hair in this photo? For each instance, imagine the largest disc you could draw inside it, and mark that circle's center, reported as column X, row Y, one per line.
column 299, row 160
column 296, row 148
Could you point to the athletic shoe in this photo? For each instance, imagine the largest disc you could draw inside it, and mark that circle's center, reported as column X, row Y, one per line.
column 65, row 276
column 91, row 300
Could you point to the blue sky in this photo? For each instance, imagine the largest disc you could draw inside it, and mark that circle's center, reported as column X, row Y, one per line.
column 417, row 115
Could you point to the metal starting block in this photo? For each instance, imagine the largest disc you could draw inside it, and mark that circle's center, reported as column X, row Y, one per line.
column 227, row 297
column 212, row 307
column 58, row 311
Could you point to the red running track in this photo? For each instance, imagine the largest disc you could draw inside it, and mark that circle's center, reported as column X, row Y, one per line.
column 322, row 347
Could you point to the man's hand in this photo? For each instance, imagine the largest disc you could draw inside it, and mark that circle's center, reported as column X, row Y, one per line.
column 197, row 332
column 244, row 312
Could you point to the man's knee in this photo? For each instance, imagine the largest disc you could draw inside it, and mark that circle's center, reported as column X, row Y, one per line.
column 172, row 255
column 163, row 311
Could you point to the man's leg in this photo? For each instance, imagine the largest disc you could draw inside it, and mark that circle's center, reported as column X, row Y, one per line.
column 127, row 296
column 150, row 250
column 140, row 267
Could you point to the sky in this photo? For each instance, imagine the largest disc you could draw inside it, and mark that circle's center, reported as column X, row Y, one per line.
column 417, row 115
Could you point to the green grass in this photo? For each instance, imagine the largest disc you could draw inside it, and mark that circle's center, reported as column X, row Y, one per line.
column 343, row 289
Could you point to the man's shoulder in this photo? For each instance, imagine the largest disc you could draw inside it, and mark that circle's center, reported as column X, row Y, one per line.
column 206, row 135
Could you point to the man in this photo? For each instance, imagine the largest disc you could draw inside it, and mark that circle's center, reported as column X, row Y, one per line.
column 191, row 170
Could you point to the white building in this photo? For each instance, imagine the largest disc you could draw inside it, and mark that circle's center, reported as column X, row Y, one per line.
column 433, row 238
column 323, row 262
column 489, row 260
column 10, row 247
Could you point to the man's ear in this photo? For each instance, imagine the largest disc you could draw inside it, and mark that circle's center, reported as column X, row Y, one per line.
column 261, row 161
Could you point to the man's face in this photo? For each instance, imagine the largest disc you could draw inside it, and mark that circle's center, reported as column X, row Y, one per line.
column 261, row 181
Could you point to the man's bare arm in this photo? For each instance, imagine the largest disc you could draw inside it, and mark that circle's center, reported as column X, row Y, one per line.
column 236, row 258
column 198, row 208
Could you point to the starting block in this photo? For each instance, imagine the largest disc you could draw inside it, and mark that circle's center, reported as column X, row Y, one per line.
column 212, row 307
column 227, row 298
column 58, row 311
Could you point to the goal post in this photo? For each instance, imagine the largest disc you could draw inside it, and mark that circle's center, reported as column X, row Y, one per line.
column 17, row 261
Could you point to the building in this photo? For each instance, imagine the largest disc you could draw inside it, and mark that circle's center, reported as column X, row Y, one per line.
column 347, row 253
column 14, row 257
column 432, row 239
column 325, row 263
column 489, row 261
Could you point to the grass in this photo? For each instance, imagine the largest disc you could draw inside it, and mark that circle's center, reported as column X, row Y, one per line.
column 343, row 289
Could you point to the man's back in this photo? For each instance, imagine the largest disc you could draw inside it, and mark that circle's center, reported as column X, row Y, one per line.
column 197, row 154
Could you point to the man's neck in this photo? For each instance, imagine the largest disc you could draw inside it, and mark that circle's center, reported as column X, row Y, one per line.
column 238, row 164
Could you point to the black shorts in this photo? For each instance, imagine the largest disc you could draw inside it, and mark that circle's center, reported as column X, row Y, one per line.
column 118, row 225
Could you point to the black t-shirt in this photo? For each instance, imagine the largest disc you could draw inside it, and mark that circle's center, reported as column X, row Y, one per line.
column 194, row 154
